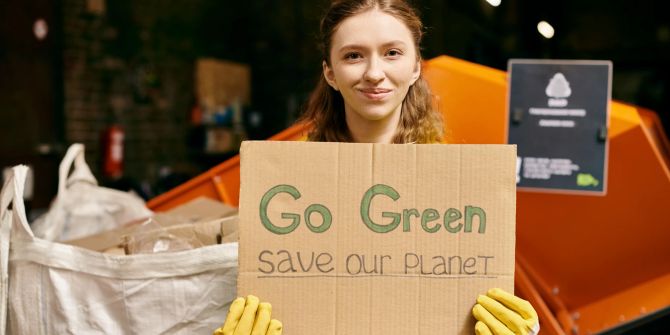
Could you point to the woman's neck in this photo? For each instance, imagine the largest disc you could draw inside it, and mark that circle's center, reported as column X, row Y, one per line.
column 373, row 131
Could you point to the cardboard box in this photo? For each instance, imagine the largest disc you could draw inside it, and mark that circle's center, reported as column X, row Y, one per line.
column 221, row 83
column 157, row 238
column 199, row 210
column 358, row 239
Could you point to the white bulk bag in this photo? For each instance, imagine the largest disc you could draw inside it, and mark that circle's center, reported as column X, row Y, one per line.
column 53, row 288
column 83, row 208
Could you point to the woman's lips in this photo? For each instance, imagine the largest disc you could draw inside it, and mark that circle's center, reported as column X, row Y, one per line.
column 375, row 93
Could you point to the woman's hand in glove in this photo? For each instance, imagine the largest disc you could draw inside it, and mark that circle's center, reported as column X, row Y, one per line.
column 249, row 317
column 499, row 312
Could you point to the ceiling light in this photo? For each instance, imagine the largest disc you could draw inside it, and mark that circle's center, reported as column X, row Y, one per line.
column 40, row 29
column 545, row 29
column 494, row 3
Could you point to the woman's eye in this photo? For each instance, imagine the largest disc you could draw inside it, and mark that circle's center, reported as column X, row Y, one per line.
column 394, row 53
column 352, row 56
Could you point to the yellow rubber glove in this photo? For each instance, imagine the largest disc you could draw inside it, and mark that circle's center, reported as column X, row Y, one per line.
column 501, row 313
column 249, row 317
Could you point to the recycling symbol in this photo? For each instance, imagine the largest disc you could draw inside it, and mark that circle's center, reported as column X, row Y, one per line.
column 558, row 87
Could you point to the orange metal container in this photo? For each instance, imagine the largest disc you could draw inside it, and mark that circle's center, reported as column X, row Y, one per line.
column 221, row 182
column 587, row 263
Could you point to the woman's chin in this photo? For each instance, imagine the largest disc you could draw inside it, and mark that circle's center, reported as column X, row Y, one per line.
column 376, row 114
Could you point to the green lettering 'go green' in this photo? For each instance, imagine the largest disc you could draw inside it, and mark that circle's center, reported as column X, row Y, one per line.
column 321, row 209
column 365, row 208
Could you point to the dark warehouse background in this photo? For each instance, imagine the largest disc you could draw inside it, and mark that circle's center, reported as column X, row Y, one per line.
column 131, row 63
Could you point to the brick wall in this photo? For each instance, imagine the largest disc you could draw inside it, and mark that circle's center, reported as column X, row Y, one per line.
column 121, row 67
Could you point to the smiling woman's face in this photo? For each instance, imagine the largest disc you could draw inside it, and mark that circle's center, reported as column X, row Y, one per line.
column 373, row 62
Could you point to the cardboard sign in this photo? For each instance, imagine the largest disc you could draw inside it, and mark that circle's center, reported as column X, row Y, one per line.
column 558, row 116
column 358, row 239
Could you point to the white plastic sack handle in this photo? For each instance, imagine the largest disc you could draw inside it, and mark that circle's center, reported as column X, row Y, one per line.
column 75, row 154
column 12, row 193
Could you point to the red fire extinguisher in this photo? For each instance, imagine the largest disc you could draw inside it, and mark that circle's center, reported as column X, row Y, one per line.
column 112, row 151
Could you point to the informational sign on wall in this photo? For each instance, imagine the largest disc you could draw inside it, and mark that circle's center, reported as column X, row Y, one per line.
column 558, row 117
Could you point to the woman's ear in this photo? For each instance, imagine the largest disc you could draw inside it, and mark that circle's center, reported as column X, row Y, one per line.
column 417, row 72
column 329, row 75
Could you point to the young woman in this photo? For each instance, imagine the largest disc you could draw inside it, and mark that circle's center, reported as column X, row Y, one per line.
column 371, row 91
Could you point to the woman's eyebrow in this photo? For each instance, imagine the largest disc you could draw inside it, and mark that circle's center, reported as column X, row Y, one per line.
column 351, row 47
column 363, row 47
column 394, row 43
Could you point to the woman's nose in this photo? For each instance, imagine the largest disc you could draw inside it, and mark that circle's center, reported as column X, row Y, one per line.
column 374, row 73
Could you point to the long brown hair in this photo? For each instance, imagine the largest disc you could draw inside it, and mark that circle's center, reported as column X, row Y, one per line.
column 419, row 121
